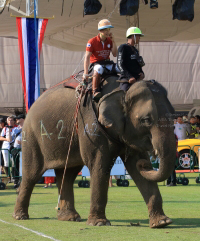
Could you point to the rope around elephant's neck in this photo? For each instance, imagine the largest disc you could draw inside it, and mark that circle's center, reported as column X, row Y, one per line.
column 75, row 121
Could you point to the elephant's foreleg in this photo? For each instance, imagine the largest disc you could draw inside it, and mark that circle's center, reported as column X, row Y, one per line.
column 151, row 195
column 99, row 196
column 67, row 210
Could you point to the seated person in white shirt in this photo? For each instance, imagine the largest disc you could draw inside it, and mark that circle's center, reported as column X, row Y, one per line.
column 181, row 129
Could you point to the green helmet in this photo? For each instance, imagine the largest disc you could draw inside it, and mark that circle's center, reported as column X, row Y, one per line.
column 132, row 31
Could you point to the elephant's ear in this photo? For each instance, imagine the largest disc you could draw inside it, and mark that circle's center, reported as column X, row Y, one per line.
column 112, row 110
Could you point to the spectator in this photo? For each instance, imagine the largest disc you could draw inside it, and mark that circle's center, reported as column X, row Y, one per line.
column 181, row 129
column 2, row 125
column 171, row 181
column 48, row 181
column 17, row 148
column 197, row 117
column 7, row 136
column 194, row 133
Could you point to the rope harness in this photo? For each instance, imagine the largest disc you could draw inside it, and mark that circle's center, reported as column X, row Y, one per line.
column 72, row 135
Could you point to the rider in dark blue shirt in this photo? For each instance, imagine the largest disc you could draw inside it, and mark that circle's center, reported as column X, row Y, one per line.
column 129, row 61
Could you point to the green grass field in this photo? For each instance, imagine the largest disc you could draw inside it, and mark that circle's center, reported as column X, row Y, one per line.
column 125, row 206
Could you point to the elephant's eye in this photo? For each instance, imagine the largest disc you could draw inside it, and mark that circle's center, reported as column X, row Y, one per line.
column 146, row 121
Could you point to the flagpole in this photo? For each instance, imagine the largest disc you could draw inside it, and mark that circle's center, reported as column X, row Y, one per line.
column 36, row 45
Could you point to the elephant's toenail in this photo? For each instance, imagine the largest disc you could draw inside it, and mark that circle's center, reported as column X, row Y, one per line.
column 161, row 222
column 168, row 220
column 100, row 224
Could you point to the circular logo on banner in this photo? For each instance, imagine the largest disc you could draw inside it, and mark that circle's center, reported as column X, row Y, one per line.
column 108, row 45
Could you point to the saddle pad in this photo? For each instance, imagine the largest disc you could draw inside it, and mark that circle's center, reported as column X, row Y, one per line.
column 70, row 83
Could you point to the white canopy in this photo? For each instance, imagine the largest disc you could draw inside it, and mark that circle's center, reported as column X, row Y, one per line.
column 71, row 30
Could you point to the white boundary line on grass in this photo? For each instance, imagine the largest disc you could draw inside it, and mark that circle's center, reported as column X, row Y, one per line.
column 38, row 233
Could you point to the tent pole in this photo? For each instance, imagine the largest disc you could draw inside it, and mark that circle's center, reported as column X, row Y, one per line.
column 31, row 5
column 36, row 47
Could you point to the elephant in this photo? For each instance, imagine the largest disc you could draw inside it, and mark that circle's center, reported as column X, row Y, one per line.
column 127, row 124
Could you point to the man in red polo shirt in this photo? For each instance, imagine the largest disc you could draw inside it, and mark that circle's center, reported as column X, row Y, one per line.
column 98, row 52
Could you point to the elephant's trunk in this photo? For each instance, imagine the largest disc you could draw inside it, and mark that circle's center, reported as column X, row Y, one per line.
column 166, row 149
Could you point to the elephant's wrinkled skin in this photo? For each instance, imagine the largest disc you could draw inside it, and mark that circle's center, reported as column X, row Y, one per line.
column 138, row 120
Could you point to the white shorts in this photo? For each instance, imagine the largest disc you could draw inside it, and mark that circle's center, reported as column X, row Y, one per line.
column 100, row 68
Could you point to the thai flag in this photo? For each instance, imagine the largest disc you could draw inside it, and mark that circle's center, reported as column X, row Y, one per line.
column 29, row 62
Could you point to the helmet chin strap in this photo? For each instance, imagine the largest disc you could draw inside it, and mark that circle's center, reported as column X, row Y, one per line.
column 135, row 40
column 101, row 34
column 135, row 44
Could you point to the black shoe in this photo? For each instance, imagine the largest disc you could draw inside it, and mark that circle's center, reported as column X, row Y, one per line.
column 96, row 96
column 16, row 185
